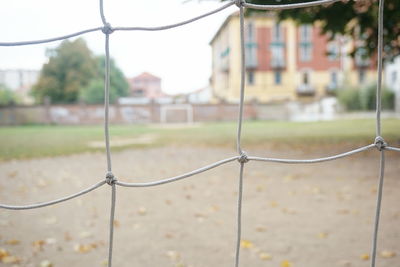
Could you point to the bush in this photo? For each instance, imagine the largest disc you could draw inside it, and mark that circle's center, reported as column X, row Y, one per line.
column 365, row 98
column 349, row 98
column 94, row 93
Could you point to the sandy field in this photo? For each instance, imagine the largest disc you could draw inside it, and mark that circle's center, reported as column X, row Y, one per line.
column 293, row 215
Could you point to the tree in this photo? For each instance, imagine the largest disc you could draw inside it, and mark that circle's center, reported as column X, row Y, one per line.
column 7, row 97
column 94, row 92
column 71, row 66
column 358, row 19
column 74, row 73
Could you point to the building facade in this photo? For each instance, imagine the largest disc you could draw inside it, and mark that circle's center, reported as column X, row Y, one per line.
column 20, row 81
column 284, row 61
column 146, row 85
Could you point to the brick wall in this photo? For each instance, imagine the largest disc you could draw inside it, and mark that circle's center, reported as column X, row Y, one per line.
column 128, row 114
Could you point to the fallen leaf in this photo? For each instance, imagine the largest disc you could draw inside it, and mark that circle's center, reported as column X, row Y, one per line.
column 84, row 248
column 387, row 254
column 67, row 236
column 286, row 263
column 13, row 242
column 142, row 211
column 264, row 256
column 246, row 244
column 41, row 183
column 12, row 174
column 46, row 263
column 38, row 245
column 274, row 204
column 364, row 256
column 214, row 208
column 289, row 178
column 85, row 234
column 169, row 235
column 173, row 255
column 116, row 223
column 322, row 235
column 261, row 229
column 3, row 253
column 10, row 259
column 51, row 241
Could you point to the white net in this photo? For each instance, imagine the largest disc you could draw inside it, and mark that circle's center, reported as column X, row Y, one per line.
column 242, row 157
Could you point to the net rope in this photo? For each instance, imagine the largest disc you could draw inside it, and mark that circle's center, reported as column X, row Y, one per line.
column 242, row 156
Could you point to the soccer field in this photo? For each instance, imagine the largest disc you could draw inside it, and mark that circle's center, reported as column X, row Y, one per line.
column 51, row 140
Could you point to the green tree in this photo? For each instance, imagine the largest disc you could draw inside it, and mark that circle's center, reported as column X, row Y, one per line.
column 94, row 92
column 71, row 66
column 7, row 97
column 358, row 19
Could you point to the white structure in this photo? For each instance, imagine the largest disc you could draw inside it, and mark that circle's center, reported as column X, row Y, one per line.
column 21, row 82
column 200, row 96
column 18, row 79
column 392, row 80
column 187, row 108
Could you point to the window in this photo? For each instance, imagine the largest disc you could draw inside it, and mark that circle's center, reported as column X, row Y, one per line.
column 305, row 42
column 306, row 33
column 361, row 76
column 277, row 34
column 277, row 53
column 251, row 46
column 138, row 93
column 333, row 51
column 278, row 77
column 305, row 78
column 394, row 77
column 250, row 32
column 250, row 77
column 305, row 52
column 334, row 78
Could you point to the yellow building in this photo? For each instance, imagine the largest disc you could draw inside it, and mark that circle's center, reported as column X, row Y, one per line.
column 284, row 61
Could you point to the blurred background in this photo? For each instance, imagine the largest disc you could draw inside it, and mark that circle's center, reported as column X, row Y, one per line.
column 311, row 77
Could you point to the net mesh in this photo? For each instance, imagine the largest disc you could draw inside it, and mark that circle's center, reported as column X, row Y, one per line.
column 242, row 158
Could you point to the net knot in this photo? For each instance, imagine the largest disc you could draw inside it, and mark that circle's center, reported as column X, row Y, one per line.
column 239, row 3
column 107, row 29
column 380, row 143
column 110, row 178
column 243, row 157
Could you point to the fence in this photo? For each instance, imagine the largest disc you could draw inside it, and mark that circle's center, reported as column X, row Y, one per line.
column 242, row 157
column 149, row 113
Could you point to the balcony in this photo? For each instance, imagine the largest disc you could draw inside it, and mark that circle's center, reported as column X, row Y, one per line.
column 331, row 88
column 362, row 62
column 278, row 63
column 224, row 66
column 305, row 90
column 361, row 59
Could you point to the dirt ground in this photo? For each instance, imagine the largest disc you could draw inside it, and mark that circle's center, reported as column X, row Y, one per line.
column 293, row 215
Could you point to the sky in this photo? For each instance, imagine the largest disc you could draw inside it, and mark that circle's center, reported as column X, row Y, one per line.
column 180, row 56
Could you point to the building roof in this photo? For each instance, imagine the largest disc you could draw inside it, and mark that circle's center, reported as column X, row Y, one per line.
column 146, row 75
column 236, row 14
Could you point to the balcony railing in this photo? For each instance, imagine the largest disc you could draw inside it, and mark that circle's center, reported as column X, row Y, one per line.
column 305, row 90
column 331, row 88
column 224, row 65
column 278, row 63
